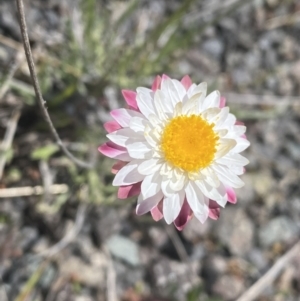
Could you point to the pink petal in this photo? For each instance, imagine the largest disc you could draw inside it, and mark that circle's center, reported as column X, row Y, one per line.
column 239, row 123
column 156, row 212
column 184, row 216
column 164, row 76
column 214, row 210
column 222, row 102
column 112, row 150
column 186, row 81
column 125, row 192
column 117, row 166
column 130, row 97
column 111, row 126
column 231, row 195
column 156, row 83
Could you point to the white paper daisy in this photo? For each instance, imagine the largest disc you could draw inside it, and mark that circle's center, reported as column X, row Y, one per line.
column 177, row 149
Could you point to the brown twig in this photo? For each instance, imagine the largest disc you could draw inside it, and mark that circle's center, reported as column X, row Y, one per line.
column 70, row 235
column 38, row 93
column 8, row 139
column 254, row 291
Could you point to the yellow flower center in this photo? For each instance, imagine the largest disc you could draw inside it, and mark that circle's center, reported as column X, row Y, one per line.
column 189, row 142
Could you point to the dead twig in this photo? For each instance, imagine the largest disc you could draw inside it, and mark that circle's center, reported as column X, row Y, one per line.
column 8, row 139
column 47, row 179
column 111, row 289
column 13, row 69
column 28, row 190
column 285, row 20
column 255, row 290
column 38, row 93
column 70, row 236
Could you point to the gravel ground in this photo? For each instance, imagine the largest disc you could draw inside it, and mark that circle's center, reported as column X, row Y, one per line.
column 90, row 251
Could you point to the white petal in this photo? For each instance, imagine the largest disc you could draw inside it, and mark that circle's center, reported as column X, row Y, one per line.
column 227, row 177
column 138, row 149
column 200, row 89
column 172, row 206
column 178, row 180
column 149, row 166
column 197, row 201
column 211, row 101
column 190, row 90
column 161, row 105
column 219, row 119
column 121, row 136
column 174, row 91
column 138, row 124
column 217, row 194
column 211, row 177
column 163, row 102
column 191, row 105
column 145, row 205
column 224, row 147
column 241, row 145
column 128, row 174
column 151, row 185
column 123, row 116
column 165, row 187
column 144, row 100
column 233, row 159
column 152, row 136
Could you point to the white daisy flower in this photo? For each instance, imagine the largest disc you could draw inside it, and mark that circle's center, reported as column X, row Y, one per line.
column 178, row 149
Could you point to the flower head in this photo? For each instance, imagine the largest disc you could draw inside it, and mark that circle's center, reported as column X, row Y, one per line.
column 178, row 150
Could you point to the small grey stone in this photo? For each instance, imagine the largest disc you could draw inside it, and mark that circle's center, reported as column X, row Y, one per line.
column 124, row 248
column 241, row 77
column 214, row 47
column 257, row 258
column 235, row 230
column 229, row 287
column 279, row 229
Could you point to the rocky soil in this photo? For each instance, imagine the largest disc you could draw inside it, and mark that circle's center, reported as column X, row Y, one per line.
column 72, row 247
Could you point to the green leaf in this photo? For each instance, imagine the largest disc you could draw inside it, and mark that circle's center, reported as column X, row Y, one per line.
column 44, row 152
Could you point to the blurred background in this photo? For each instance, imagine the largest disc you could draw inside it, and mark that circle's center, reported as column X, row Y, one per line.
column 64, row 235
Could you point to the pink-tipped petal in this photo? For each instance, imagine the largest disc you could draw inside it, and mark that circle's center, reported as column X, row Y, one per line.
column 222, row 102
column 125, row 192
column 231, row 195
column 239, row 123
column 117, row 166
column 113, row 150
column 130, row 97
column 184, row 216
column 164, row 77
column 186, row 82
column 214, row 210
column 156, row 212
column 111, row 126
column 156, row 83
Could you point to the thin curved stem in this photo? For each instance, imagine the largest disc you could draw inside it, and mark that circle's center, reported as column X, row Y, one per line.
column 37, row 90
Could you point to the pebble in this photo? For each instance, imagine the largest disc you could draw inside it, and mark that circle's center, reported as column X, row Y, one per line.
column 124, row 248
column 229, row 287
column 235, row 230
column 279, row 229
